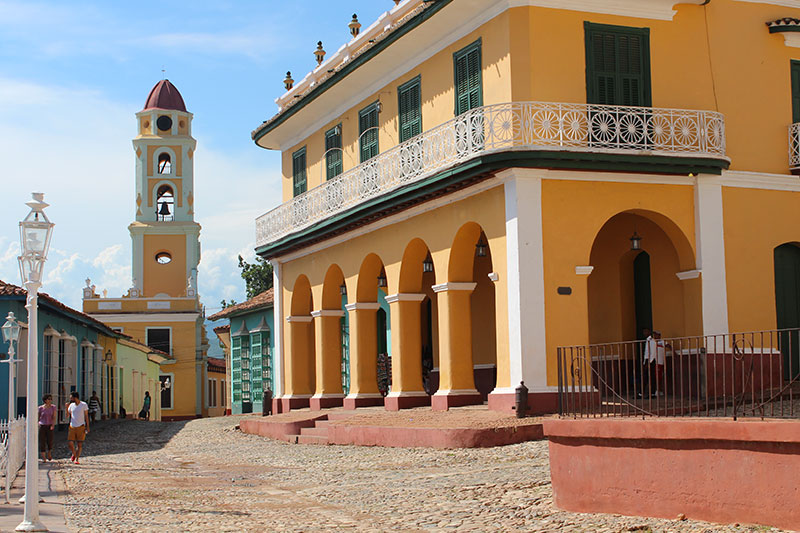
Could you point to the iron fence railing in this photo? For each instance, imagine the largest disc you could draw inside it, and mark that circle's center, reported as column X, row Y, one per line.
column 754, row 374
column 12, row 450
column 502, row 127
column 794, row 147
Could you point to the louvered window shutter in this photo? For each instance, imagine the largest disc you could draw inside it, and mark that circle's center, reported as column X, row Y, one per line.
column 618, row 65
column 333, row 152
column 795, row 70
column 468, row 78
column 367, row 120
column 410, row 109
column 299, row 171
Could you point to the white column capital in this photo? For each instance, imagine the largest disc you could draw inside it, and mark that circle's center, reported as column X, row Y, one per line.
column 363, row 306
column 688, row 274
column 404, row 297
column 584, row 270
column 328, row 312
column 299, row 318
column 468, row 286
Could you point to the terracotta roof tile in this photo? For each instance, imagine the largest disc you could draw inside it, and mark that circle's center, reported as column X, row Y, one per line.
column 261, row 300
column 215, row 363
column 164, row 95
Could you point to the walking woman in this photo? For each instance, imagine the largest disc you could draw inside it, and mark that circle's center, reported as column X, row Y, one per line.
column 47, row 422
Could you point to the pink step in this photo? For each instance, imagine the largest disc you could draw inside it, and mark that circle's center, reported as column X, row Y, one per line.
column 322, row 423
column 315, row 432
column 311, row 439
column 341, row 415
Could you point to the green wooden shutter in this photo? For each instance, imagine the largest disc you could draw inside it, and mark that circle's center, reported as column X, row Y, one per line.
column 299, row 171
column 468, row 78
column 368, row 136
column 795, row 70
column 617, row 65
column 787, row 305
column 333, row 152
column 409, row 104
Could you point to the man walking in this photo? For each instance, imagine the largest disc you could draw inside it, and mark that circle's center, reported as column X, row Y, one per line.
column 78, row 425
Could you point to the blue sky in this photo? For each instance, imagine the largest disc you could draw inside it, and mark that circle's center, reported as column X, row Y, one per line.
column 72, row 77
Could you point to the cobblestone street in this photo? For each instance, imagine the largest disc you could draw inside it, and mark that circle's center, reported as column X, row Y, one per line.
column 205, row 475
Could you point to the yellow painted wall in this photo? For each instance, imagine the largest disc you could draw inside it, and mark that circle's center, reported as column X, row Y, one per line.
column 573, row 213
column 756, row 222
column 177, row 164
column 170, row 278
column 438, row 229
column 438, row 101
column 135, row 367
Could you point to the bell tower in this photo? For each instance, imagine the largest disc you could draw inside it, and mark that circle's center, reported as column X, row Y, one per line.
column 166, row 239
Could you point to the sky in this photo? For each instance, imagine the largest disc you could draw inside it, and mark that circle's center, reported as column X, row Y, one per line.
column 73, row 75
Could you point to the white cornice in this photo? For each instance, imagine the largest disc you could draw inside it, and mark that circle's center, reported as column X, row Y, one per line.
column 147, row 317
column 404, row 297
column 295, row 318
column 328, row 312
column 647, row 9
column 688, row 274
column 467, row 286
column 363, row 306
column 760, row 180
column 583, row 270
column 784, row 3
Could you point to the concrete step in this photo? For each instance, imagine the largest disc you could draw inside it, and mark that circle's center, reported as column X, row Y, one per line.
column 322, row 423
column 315, row 432
column 311, row 439
column 292, row 439
column 341, row 415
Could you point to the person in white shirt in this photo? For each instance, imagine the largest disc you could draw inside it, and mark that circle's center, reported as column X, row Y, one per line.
column 78, row 425
column 655, row 355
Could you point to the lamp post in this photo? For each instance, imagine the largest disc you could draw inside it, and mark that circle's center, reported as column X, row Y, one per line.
column 35, row 232
column 11, row 335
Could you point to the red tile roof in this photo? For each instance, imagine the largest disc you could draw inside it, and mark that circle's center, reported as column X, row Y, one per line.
column 7, row 289
column 164, row 96
column 265, row 299
column 216, row 364
column 222, row 329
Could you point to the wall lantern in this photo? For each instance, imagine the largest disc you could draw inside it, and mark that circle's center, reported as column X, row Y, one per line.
column 481, row 248
column 319, row 53
column 108, row 357
column 382, row 281
column 343, row 289
column 427, row 265
column 355, row 26
column 636, row 241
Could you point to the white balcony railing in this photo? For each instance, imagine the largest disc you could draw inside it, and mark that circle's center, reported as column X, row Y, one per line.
column 519, row 126
column 794, row 146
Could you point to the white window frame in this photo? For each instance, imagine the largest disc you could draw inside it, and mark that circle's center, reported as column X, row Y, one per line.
column 171, row 376
column 147, row 329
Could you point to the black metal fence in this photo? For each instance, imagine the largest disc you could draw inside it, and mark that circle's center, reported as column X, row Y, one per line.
column 754, row 374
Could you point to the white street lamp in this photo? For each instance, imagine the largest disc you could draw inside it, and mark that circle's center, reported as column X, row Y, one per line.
column 34, row 233
column 11, row 335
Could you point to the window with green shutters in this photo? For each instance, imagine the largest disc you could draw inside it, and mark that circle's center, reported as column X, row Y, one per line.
column 299, row 171
column 468, row 78
column 266, row 362
column 236, row 368
column 255, row 366
column 410, row 106
column 795, row 70
column 617, row 65
column 245, row 344
column 368, row 131
column 333, row 152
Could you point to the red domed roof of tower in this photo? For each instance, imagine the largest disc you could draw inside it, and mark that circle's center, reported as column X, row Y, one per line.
column 164, row 96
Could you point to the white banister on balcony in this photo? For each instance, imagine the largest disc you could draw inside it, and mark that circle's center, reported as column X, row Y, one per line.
column 518, row 126
column 794, row 147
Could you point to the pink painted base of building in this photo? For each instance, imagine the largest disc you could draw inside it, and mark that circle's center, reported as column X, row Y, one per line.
column 443, row 402
column 318, row 403
column 539, row 403
column 721, row 470
column 351, row 403
column 403, row 437
column 395, row 403
column 287, row 404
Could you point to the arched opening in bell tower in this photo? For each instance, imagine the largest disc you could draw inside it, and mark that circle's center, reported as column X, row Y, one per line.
column 164, row 163
column 165, row 204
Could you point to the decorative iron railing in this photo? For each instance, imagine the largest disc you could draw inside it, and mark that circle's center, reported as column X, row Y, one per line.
column 733, row 375
column 513, row 126
column 794, row 147
column 12, row 450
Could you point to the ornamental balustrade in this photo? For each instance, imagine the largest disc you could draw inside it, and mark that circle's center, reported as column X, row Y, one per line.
column 12, row 450
column 794, row 147
column 518, row 126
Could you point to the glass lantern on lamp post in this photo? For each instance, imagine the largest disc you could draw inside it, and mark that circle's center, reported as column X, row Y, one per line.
column 35, row 232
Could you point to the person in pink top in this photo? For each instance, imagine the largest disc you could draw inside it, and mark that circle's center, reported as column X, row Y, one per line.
column 47, row 423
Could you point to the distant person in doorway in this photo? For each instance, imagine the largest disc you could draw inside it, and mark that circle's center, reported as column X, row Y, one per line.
column 78, row 425
column 639, row 378
column 145, row 412
column 47, row 424
column 655, row 354
column 95, row 407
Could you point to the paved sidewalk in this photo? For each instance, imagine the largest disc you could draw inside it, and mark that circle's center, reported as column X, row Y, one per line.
column 51, row 489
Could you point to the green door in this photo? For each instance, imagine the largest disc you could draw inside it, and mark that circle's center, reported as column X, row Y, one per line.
column 643, row 299
column 787, row 305
column 345, row 329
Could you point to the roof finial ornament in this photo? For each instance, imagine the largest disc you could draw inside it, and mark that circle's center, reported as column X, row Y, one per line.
column 355, row 26
column 288, row 82
column 163, row 72
column 319, row 53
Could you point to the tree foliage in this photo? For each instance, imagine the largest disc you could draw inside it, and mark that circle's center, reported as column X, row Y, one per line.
column 257, row 276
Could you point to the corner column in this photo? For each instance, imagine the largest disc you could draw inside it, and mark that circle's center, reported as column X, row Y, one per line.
column 407, row 390
column 297, row 370
column 525, row 285
column 456, row 371
column 710, row 237
column 363, row 356
column 278, row 354
column 328, row 340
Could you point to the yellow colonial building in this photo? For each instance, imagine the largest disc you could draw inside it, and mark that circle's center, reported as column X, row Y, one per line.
column 162, row 308
column 470, row 184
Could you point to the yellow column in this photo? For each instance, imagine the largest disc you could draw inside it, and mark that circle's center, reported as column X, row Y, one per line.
column 363, row 355
column 407, row 390
column 299, row 377
column 328, row 340
column 456, row 373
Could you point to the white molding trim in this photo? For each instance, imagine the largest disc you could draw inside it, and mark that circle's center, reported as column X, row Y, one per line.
column 328, row 312
column 648, row 9
column 407, row 394
column 299, row 318
column 363, row 306
column 583, row 175
column 455, row 392
column 688, row 274
column 493, row 276
column 360, row 395
column 432, row 205
column 484, row 366
column 784, row 3
column 321, row 395
column 583, row 270
column 760, row 180
column 109, row 306
column 296, row 396
column 147, row 317
column 404, row 297
column 791, row 39
column 466, row 286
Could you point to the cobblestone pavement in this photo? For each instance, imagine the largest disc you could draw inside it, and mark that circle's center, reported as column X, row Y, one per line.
column 205, row 475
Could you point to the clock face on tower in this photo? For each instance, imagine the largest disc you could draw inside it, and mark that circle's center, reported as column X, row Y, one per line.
column 164, row 123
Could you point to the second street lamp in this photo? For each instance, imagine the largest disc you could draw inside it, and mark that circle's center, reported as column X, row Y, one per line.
column 35, row 232
column 11, row 335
